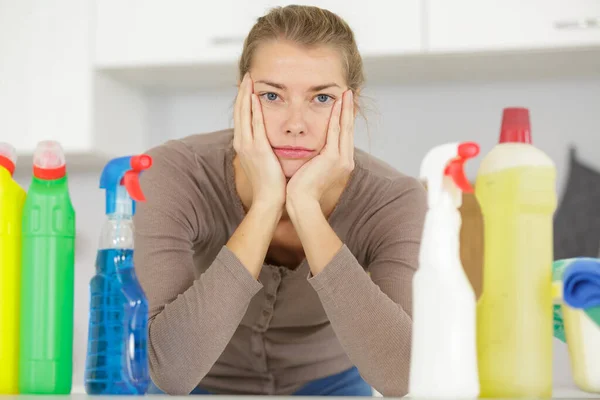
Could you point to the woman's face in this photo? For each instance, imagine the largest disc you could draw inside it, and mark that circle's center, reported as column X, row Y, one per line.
column 297, row 88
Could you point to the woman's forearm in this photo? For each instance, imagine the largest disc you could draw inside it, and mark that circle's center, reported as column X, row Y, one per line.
column 354, row 303
column 318, row 239
column 251, row 239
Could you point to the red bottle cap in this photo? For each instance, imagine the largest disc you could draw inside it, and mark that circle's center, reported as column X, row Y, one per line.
column 516, row 127
column 49, row 161
column 8, row 157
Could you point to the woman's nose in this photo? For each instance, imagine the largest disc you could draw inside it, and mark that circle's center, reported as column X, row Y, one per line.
column 295, row 124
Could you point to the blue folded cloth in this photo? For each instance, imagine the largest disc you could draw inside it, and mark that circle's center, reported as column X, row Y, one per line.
column 581, row 283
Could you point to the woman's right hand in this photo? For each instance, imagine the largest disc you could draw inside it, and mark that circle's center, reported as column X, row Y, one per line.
column 254, row 150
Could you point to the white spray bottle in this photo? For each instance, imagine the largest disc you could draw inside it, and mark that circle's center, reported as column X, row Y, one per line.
column 444, row 349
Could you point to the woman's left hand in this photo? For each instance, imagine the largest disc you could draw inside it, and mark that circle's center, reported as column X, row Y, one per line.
column 334, row 163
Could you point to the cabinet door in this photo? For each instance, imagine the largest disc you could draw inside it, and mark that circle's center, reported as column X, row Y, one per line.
column 48, row 74
column 138, row 33
column 473, row 25
column 157, row 32
column 154, row 32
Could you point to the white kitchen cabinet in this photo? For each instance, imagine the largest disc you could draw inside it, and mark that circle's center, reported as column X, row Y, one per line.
column 455, row 26
column 46, row 88
column 195, row 44
column 156, row 32
column 137, row 33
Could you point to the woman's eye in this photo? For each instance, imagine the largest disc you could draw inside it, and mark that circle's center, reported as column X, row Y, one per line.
column 323, row 98
column 270, row 96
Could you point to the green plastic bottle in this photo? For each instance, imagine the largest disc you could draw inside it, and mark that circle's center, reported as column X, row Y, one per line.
column 47, row 284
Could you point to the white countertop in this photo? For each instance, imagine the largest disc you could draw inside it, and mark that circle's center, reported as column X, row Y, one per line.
column 558, row 394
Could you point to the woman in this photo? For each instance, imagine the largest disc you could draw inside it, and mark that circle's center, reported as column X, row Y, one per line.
column 277, row 258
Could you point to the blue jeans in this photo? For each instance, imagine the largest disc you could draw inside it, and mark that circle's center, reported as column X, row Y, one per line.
column 347, row 383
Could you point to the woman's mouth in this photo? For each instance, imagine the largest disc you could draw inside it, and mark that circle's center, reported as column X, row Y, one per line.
column 293, row 152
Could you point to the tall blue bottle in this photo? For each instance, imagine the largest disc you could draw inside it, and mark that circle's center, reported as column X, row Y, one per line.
column 116, row 360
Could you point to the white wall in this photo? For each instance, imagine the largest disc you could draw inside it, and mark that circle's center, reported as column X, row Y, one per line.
column 409, row 120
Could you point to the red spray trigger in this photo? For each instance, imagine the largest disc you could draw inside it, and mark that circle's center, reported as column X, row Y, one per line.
column 455, row 168
column 131, row 180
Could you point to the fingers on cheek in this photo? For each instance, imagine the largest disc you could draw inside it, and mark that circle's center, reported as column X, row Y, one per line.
column 334, row 121
column 253, row 102
column 348, row 105
column 335, row 109
column 257, row 124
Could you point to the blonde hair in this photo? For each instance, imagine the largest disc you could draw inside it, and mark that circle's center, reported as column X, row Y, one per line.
column 307, row 26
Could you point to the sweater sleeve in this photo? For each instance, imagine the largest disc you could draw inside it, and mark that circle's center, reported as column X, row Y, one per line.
column 372, row 315
column 191, row 320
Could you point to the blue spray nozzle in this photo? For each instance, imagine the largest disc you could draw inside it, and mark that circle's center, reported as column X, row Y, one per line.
column 123, row 173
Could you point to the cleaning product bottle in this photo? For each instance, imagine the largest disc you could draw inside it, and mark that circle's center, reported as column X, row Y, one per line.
column 515, row 188
column 117, row 342
column 444, row 352
column 12, row 197
column 576, row 291
column 47, row 283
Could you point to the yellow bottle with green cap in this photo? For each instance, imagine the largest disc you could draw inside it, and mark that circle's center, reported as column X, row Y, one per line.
column 12, row 197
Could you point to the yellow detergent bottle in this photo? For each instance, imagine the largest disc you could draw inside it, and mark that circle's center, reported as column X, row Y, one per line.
column 12, row 197
column 516, row 190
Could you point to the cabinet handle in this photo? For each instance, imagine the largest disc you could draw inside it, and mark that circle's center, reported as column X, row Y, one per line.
column 227, row 40
column 586, row 23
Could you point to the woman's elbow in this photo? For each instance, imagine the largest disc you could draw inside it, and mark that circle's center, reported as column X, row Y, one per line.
column 392, row 384
column 166, row 378
column 394, row 388
column 164, row 373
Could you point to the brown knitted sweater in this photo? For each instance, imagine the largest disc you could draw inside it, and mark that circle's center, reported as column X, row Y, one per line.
column 211, row 324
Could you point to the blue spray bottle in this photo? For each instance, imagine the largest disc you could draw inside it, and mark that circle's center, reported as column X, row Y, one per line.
column 116, row 360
